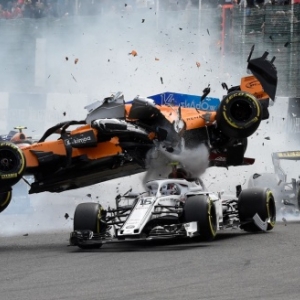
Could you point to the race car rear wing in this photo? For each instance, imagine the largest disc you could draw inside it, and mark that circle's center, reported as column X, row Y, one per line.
column 285, row 155
column 265, row 72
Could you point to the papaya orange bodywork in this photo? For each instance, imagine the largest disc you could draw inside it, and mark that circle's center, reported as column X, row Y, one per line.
column 104, row 149
column 193, row 118
column 252, row 85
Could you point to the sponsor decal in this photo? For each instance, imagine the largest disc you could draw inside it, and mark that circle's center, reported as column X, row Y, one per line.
column 168, row 99
column 7, row 144
column 206, row 117
column 82, row 140
column 252, row 84
column 145, row 201
column 186, row 100
column 9, row 176
column 130, row 227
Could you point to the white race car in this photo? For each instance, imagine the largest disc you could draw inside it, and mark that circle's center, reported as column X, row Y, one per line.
column 172, row 208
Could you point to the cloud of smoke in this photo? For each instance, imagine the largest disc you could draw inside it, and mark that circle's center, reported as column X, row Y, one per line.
column 194, row 161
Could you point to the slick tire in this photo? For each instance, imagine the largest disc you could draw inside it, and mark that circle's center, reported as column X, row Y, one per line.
column 5, row 199
column 12, row 164
column 87, row 217
column 200, row 209
column 260, row 201
column 239, row 114
column 298, row 197
column 270, row 180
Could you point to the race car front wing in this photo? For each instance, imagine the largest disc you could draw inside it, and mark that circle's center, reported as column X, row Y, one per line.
column 87, row 237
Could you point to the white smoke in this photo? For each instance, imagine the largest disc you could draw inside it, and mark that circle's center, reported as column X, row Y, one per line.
column 194, row 161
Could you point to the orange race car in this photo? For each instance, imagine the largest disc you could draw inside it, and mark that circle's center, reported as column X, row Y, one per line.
column 116, row 135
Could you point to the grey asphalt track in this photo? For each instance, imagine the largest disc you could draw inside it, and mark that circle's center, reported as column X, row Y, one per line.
column 236, row 265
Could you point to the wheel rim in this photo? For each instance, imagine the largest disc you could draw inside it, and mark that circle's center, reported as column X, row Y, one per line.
column 241, row 111
column 8, row 161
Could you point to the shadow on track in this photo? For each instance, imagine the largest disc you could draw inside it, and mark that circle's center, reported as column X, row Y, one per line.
column 58, row 243
column 163, row 244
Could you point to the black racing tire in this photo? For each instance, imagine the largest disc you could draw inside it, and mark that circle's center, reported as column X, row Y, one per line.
column 260, row 201
column 298, row 197
column 12, row 164
column 200, row 208
column 87, row 217
column 271, row 181
column 5, row 199
column 239, row 114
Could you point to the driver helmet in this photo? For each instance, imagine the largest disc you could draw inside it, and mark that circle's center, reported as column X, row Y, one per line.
column 168, row 189
column 18, row 137
column 180, row 173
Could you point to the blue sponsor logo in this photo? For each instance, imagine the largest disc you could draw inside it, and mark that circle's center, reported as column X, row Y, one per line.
column 185, row 100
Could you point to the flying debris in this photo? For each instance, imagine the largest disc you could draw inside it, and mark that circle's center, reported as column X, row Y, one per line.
column 206, row 91
column 208, row 31
column 133, row 53
column 287, row 44
column 67, row 58
column 157, row 59
column 76, row 61
column 74, row 78
column 161, row 80
column 64, row 113
column 284, row 221
column 198, row 64
column 66, row 216
column 143, row 20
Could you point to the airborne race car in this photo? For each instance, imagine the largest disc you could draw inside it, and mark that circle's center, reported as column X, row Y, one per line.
column 172, row 208
column 114, row 139
column 286, row 193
